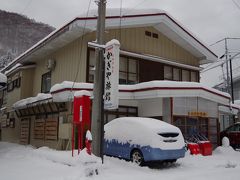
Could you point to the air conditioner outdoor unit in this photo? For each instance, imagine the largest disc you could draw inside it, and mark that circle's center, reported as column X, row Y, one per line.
column 51, row 63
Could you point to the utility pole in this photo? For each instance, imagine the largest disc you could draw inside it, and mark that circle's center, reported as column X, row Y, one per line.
column 98, row 90
column 231, row 76
column 226, row 56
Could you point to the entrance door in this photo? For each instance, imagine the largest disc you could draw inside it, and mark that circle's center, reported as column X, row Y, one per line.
column 25, row 130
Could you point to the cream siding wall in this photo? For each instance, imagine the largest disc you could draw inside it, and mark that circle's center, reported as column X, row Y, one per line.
column 27, row 83
column 69, row 60
column 15, row 94
column 135, row 40
column 71, row 57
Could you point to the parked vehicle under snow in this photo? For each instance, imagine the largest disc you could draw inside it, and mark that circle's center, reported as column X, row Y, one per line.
column 143, row 140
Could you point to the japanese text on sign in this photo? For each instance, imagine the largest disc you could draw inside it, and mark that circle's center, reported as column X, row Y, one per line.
column 111, row 75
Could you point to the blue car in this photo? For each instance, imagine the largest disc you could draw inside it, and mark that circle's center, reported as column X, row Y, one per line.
column 143, row 140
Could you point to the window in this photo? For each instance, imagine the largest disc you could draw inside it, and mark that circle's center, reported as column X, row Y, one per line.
column 176, row 74
column 128, row 69
column 10, row 86
column 132, row 71
column 148, row 33
column 193, row 76
column 185, row 75
column 46, row 82
column 122, row 111
column 168, row 73
column 123, row 70
column 4, row 97
column 154, row 35
column 91, row 72
column 13, row 84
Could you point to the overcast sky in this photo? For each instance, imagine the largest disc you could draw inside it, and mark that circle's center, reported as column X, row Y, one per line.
column 209, row 20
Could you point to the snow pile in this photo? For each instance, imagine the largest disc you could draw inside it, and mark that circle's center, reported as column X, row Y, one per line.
column 64, row 157
column 225, row 142
column 64, row 91
column 24, row 102
column 143, row 132
column 25, row 163
column 89, row 135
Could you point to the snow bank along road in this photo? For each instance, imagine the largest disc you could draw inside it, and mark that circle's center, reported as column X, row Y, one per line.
column 26, row 163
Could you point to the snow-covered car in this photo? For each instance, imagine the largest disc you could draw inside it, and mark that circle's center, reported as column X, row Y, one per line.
column 143, row 140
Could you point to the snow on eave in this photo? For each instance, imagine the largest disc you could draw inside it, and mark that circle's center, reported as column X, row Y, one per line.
column 17, row 68
column 64, row 92
column 235, row 105
column 237, row 102
column 111, row 14
column 12, row 69
column 28, row 101
column 3, row 79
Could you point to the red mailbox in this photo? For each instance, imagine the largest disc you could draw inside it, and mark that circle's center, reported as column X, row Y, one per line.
column 81, row 116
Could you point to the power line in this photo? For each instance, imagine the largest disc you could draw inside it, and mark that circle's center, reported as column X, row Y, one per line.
column 120, row 21
column 236, row 4
column 138, row 4
column 83, row 32
column 26, row 6
column 223, row 61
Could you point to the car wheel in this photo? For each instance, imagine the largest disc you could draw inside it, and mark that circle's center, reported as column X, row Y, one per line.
column 137, row 157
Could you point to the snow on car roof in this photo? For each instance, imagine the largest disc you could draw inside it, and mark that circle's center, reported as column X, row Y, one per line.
column 153, row 124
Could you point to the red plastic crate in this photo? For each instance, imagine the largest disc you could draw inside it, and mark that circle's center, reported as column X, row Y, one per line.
column 205, row 148
column 194, row 148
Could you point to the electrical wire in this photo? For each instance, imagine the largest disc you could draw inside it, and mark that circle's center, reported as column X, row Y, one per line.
column 26, row 6
column 236, row 4
column 134, row 7
column 81, row 49
column 120, row 21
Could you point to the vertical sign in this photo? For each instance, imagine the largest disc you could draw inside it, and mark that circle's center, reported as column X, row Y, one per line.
column 111, row 74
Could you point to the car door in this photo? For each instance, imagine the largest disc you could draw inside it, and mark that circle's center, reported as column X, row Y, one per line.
column 232, row 135
column 237, row 135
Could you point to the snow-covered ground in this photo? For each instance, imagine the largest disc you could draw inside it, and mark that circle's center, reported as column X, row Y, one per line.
column 27, row 163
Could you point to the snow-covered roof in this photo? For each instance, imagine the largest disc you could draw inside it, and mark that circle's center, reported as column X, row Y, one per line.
column 18, row 67
column 64, row 91
column 13, row 68
column 3, row 79
column 41, row 97
column 79, row 26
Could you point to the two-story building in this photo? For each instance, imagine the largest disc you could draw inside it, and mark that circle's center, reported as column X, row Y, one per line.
column 159, row 76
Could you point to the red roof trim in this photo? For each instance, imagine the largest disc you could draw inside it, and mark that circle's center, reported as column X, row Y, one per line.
column 148, row 89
